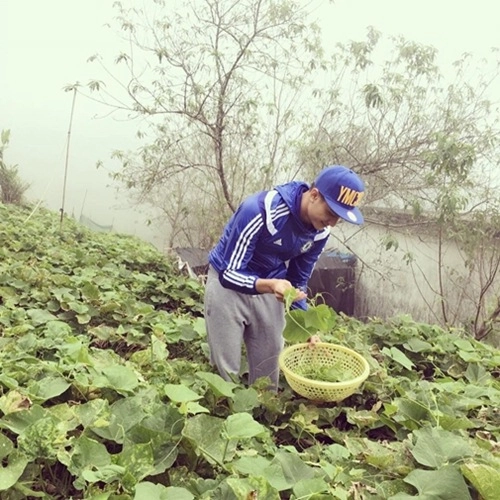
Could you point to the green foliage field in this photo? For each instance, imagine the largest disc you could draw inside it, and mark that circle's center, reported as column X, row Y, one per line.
column 106, row 392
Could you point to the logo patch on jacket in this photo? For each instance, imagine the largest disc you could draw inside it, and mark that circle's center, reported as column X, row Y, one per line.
column 306, row 246
column 278, row 242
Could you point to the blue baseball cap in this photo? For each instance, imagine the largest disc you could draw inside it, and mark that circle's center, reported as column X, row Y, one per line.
column 342, row 190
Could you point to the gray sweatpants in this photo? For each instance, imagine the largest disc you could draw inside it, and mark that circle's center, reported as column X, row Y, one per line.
column 233, row 318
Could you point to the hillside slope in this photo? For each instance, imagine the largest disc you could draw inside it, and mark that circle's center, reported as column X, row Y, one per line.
column 106, row 392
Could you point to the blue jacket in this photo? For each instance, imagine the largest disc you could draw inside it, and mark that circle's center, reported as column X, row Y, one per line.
column 265, row 238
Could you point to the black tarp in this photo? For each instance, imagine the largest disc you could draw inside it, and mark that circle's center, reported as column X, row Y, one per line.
column 333, row 278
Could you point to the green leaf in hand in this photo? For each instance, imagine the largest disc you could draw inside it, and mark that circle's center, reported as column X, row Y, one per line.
column 289, row 298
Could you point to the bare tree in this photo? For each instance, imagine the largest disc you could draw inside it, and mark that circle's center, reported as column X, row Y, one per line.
column 229, row 99
column 428, row 144
column 224, row 84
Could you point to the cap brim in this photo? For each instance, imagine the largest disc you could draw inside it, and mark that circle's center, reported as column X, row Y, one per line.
column 352, row 215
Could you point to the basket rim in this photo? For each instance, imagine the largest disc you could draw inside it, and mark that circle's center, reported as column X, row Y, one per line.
column 321, row 383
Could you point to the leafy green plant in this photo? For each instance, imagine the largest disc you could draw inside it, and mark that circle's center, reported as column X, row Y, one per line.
column 106, row 391
column 301, row 325
column 323, row 373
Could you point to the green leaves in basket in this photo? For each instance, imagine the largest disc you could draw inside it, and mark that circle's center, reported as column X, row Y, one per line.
column 323, row 373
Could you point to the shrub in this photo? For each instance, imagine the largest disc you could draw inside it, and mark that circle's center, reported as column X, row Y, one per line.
column 12, row 187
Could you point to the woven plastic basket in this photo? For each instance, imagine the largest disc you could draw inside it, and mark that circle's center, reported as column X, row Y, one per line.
column 296, row 358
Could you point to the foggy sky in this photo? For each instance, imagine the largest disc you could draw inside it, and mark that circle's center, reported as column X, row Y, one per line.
column 45, row 45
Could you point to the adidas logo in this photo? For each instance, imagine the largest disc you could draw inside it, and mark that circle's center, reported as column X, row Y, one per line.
column 278, row 242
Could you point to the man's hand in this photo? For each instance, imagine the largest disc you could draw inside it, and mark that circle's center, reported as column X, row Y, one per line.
column 278, row 287
column 313, row 340
column 283, row 286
